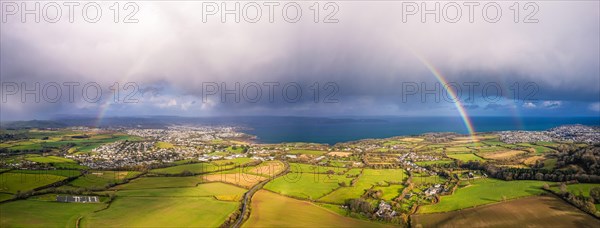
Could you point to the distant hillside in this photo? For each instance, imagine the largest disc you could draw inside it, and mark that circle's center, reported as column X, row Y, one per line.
column 31, row 124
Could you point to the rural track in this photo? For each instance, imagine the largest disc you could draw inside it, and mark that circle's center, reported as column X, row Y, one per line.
column 248, row 195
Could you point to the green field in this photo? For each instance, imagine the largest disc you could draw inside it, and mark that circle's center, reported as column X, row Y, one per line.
column 48, row 159
column 266, row 169
column 194, row 168
column 205, row 205
column 23, row 146
column 100, row 179
column 273, row 210
column 337, row 163
column 393, row 142
column 368, row 179
column 34, row 213
column 234, row 162
column 306, row 168
column 576, row 189
column 538, row 149
column 353, row 172
column 64, row 173
column 160, row 182
column 458, row 149
column 382, row 150
column 419, row 179
column 56, row 162
column 465, row 157
column 438, row 148
column 474, row 144
column 202, row 190
column 307, row 185
column 204, row 167
column 383, row 176
column 5, row 196
column 69, row 165
column 12, row 182
column 390, row 192
column 487, row 149
column 484, row 191
column 498, row 143
column 438, row 162
column 237, row 150
column 310, row 152
column 162, row 212
column 548, row 144
column 340, row 195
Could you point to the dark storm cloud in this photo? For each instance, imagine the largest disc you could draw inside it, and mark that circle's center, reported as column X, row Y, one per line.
column 369, row 54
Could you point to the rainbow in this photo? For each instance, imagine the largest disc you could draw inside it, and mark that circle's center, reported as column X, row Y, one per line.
column 107, row 103
column 458, row 104
column 102, row 111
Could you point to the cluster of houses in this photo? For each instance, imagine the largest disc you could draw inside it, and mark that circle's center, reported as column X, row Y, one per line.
column 569, row 133
column 524, row 136
column 21, row 164
column 188, row 136
column 128, row 154
column 191, row 143
column 407, row 161
column 384, row 210
column 434, row 190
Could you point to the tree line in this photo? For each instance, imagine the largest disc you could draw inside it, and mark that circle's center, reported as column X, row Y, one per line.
column 576, row 164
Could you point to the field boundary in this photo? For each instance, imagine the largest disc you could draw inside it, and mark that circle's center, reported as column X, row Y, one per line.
column 244, row 207
column 570, row 203
column 492, row 203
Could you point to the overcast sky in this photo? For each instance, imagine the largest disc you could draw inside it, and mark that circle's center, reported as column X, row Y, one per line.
column 362, row 63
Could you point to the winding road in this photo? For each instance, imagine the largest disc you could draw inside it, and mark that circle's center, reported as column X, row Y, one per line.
column 248, row 195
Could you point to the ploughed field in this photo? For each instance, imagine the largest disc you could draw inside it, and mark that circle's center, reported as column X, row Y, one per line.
column 535, row 211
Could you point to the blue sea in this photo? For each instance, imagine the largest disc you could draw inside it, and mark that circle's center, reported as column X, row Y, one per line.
column 334, row 130
column 277, row 129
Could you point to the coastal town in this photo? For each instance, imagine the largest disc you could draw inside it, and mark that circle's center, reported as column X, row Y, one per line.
column 203, row 144
column 384, row 180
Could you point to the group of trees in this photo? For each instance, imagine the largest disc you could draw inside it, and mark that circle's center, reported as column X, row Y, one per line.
column 13, row 136
column 364, row 207
column 580, row 165
column 243, row 147
column 587, row 158
column 580, row 201
column 508, row 173
column 360, row 206
column 374, row 194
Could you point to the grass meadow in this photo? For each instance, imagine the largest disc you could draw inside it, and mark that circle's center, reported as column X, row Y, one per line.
column 484, row 191
column 368, row 179
column 34, row 213
column 273, row 210
column 307, row 185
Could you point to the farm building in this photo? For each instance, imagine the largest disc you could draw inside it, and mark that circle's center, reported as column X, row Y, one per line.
column 77, row 199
